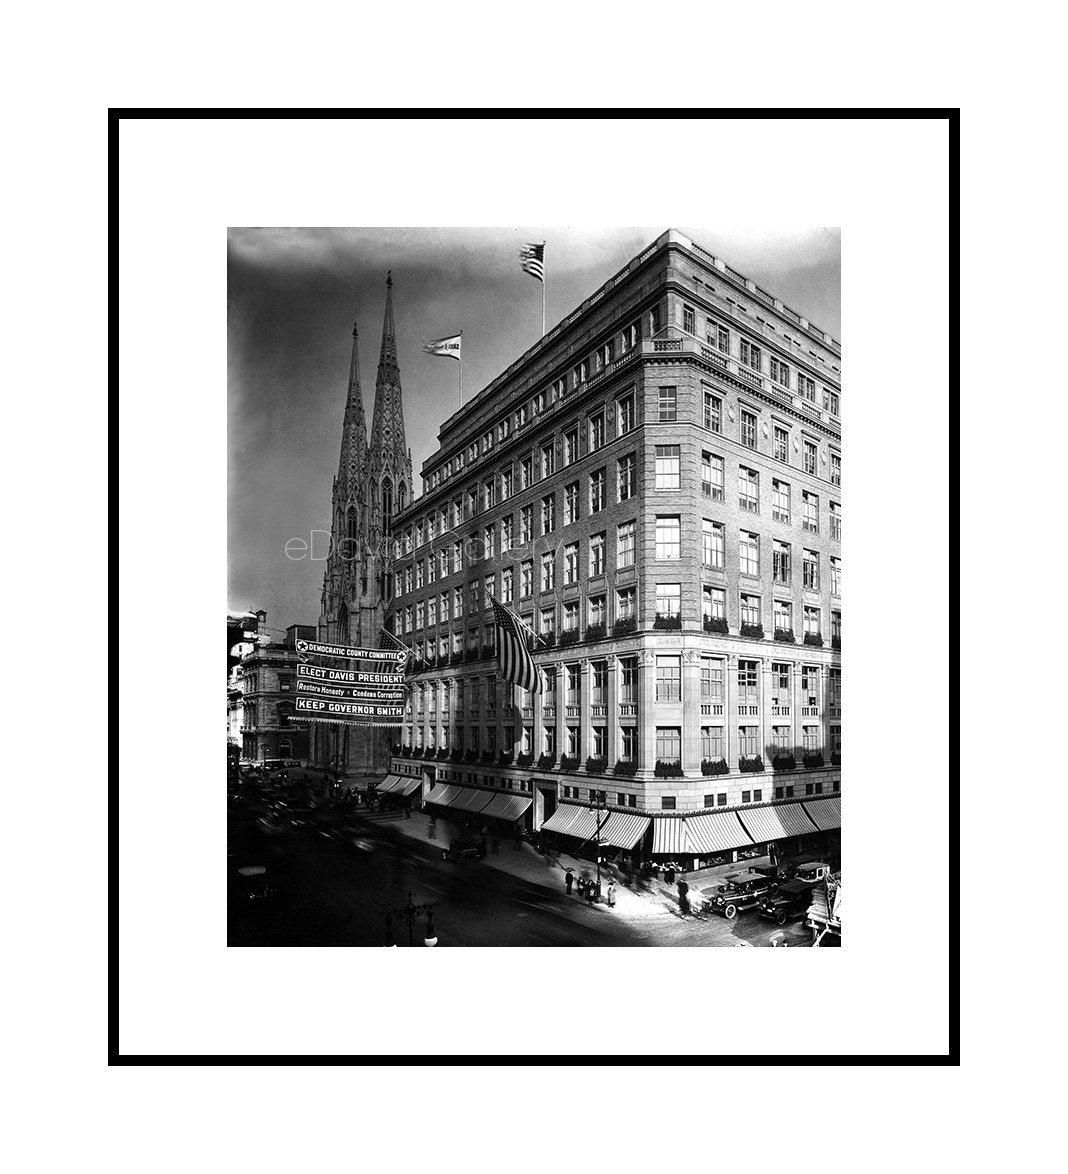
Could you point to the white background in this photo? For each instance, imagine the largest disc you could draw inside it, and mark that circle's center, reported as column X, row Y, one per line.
column 884, row 184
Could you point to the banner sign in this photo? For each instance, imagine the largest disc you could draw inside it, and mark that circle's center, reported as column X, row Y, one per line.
column 315, row 672
column 348, row 652
column 353, row 693
column 370, row 714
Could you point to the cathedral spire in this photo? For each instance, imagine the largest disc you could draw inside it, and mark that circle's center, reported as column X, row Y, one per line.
column 353, row 462
column 388, row 355
column 388, row 445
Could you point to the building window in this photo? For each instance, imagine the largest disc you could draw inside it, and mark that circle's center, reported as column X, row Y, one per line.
column 811, row 454
column 836, row 469
column 749, row 489
column 626, row 608
column 667, row 466
column 548, row 514
column 669, row 744
column 571, row 617
column 711, row 744
column 750, row 355
column 806, row 387
column 830, row 402
column 596, row 610
column 597, row 554
column 625, row 415
column 812, row 621
column 712, row 476
column 748, row 429
column 719, row 337
column 747, row 681
column 526, row 524
column 689, row 320
column 811, row 736
column 780, row 562
column 668, row 600
column 507, row 585
column 711, row 679
column 750, row 605
column 628, row 747
column 711, row 543
column 667, row 409
column 506, row 534
column 784, row 616
column 782, row 445
column 628, row 680
column 597, row 484
column 836, row 576
column 713, row 412
column 836, row 521
column 836, row 626
column 780, row 372
column 810, row 570
column 571, row 554
column 548, row 572
column 571, row 446
column 714, row 603
column 748, row 553
column 668, row 538
column 810, row 512
column 748, row 741
column 571, row 507
column 625, row 467
column 669, row 678
column 526, row 579
column 574, row 680
column 596, row 433
column 625, row 545
column 548, row 459
column 526, row 473
column 780, row 501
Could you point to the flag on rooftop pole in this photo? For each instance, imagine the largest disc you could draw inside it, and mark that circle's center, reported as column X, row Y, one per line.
column 513, row 656
column 533, row 259
column 450, row 348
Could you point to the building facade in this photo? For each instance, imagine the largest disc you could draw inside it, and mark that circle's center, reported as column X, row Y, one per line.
column 373, row 483
column 655, row 487
column 260, row 694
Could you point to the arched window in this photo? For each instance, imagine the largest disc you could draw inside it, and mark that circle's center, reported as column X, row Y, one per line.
column 352, row 533
column 402, row 497
column 343, row 624
column 387, row 505
column 285, row 748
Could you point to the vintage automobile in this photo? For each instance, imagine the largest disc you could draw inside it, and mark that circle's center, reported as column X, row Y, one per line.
column 790, row 900
column 465, row 848
column 741, row 892
column 811, row 872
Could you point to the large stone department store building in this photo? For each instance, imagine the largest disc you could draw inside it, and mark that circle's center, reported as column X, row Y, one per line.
column 655, row 488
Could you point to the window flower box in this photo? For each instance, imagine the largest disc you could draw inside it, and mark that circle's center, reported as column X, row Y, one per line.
column 667, row 622
column 752, row 765
column 813, row 761
column 595, row 631
column 814, row 639
column 753, row 631
column 525, row 759
column 714, row 766
column 596, row 766
column 625, row 770
column 667, row 770
column 569, row 762
column 784, row 762
column 785, row 636
column 717, row 624
column 547, row 762
column 569, row 637
column 625, row 626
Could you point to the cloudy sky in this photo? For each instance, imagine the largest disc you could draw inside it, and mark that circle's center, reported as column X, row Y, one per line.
column 294, row 294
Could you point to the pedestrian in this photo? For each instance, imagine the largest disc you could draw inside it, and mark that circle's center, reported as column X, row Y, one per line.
column 432, row 828
column 611, row 896
column 569, row 880
column 496, row 846
column 408, row 810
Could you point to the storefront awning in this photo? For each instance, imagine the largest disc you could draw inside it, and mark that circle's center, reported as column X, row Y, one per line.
column 507, row 807
column 443, row 794
column 397, row 785
column 387, row 784
column 669, row 836
column 468, row 799
column 824, row 813
column 407, row 785
column 718, row 831
column 562, row 818
column 624, row 829
column 775, row 823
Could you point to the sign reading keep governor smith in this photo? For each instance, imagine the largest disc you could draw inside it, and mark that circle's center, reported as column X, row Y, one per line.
column 323, row 709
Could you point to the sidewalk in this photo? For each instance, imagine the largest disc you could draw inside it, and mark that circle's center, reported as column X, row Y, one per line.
column 641, row 902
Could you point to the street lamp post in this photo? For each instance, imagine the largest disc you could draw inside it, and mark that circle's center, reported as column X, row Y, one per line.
column 599, row 802
column 409, row 913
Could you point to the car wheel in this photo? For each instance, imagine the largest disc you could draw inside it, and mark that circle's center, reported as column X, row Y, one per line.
column 780, row 918
column 730, row 912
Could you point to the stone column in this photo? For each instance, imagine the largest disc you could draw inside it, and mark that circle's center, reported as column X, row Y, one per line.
column 585, row 702
column 561, row 709
column 612, row 708
column 766, row 720
column 730, row 711
column 646, row 712
column 691, row 712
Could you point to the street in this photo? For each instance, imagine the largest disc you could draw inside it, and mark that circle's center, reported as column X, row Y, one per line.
column 328, row 891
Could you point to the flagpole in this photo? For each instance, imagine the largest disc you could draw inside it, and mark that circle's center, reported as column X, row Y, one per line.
column 461, row 380
column 543, row 289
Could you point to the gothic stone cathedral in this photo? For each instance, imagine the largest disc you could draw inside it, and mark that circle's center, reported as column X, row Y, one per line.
column 373, row 482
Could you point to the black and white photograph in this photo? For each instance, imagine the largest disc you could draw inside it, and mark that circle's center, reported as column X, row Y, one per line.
column 534, row 629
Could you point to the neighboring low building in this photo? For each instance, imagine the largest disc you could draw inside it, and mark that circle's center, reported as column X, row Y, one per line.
column 267, row 679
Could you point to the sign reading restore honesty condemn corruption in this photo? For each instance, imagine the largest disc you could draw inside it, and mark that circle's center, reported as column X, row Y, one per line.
column 352, row 692
column 355, row 712
column 349, row 652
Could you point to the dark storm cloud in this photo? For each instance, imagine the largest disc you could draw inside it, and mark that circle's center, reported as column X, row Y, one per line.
column 294, row 294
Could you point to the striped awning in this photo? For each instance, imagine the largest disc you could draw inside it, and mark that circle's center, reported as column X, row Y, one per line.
column 389, row 784
column 775, row 823
column 443, row 794
column 507, row 807
column 717, row 831
column 407, row 785
column 468, row 799
column 824, row 813
column 562, row 818
column 670, row 836
column 624, row 829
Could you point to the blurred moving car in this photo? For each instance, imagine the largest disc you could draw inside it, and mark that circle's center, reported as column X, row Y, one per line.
column 464, row 848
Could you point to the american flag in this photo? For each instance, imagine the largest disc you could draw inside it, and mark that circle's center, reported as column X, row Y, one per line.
column 533, row 258
column 513, row 657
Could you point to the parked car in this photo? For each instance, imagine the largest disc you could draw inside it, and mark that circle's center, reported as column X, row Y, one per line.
column 744, row 891
column 812, row 872
column 790, row 900
column 465, row 848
